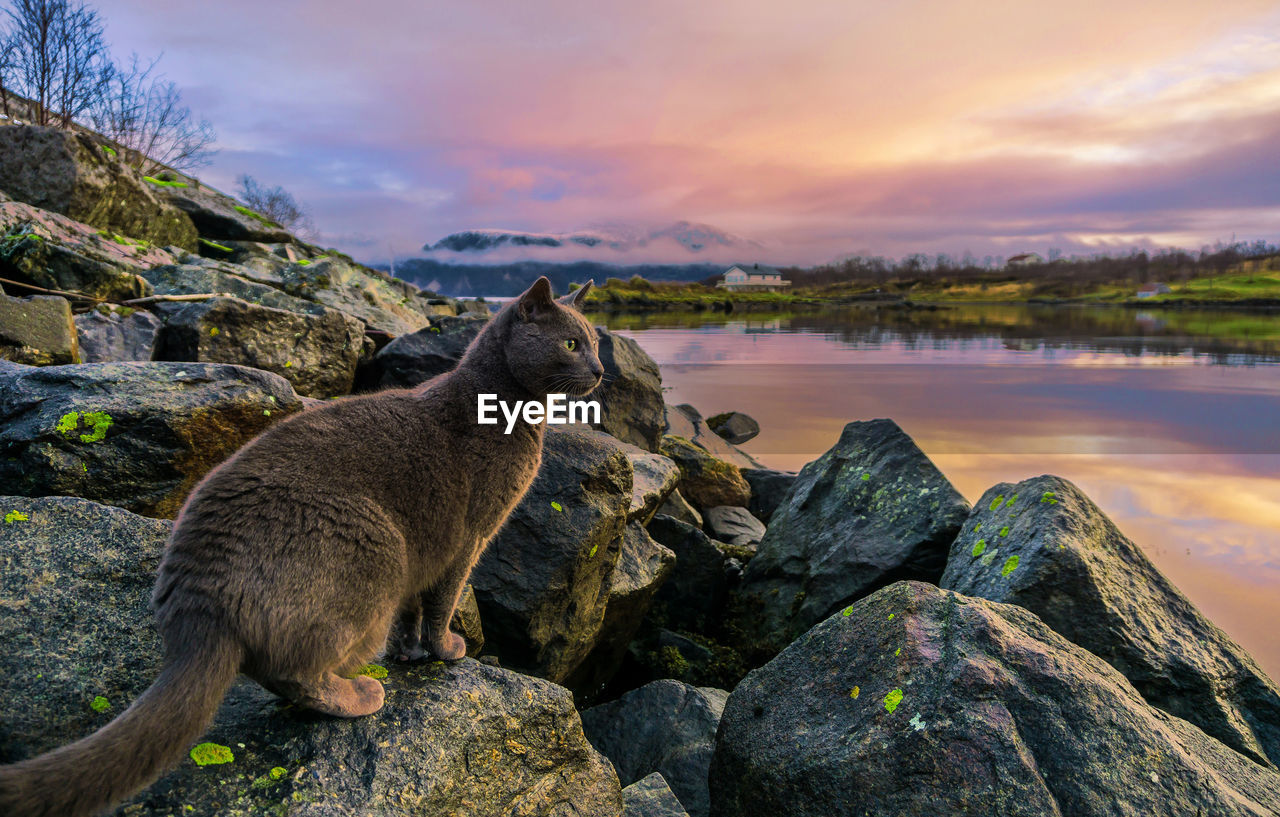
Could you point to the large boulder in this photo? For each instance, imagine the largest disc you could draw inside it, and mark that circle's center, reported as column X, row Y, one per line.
column 631, row 395
column 37, row 331
column 677, row 507
column 205, row 277
column 872, row 510
column 383, row 302
column 734, row 427
column 218, row 217
column 920, row 701
column 1043, row 545
column 734, row 525
column 114, row 335
column 543, row 582
column 419, row 356
column 666, row 727
column 136, row 435
column 654, row 478
column 683, row 420
column 694, row 597
column 451, row 739
column 315, row 353
column 769, row 490
column 651, row 797
column 52, row 251
column 68, row 173
column 705, row 481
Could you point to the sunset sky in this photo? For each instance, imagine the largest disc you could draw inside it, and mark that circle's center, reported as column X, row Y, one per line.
column 817, row 128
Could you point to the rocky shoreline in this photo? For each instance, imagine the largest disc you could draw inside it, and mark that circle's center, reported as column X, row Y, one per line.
column 663, row 627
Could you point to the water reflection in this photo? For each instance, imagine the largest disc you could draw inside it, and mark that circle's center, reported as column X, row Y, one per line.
column 1174, row 433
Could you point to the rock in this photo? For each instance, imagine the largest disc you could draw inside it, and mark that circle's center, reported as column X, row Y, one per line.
column 667, row 727
column 704, row 480
column 694, row 596
column 54, row 252
column 384, row 303
column 37, row 331
column 642, row 568
column 654, row 478
column 543, row 582
column 466, row 622
column 76, row 585
column 114, row 335
column 69, row 173
column 1043, row 545
column 136, row 435
column 651, row 797
column 870, row 511
column 683, row 420
column 734, row 427
column 218, row 217
column 631, row 406
column 200, row 277
column 734, row 525
column 920, row 701
column 417, row 357
column 769, row 490
column 315, row 353
column 678, row 508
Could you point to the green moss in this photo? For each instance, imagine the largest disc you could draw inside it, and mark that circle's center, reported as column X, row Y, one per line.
column 164, row 182
column 215, row 245
column 997, row 502
column 100, row 704
column 97, row 423
column 866, row 477
column 594, row 549
column 214, row 331
column 1049, row 498
column 211, row 754
column 977, row 527
column 855, row 692
column 1010, row 565
column 897, row 652
column 67, row 423
column 245, row 211
column 1012, row 500
column 891, row 615
column 1004, row 531
column 892, row 700
column 557, row 505
column 848, row 611
column 278, row 772
column 672, row 662
column 373, row 671
column 110, row 151
column 979, row 546
column 15, row 516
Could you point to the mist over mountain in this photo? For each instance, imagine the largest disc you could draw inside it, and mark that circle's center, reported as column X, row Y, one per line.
column 609, row 243
column 474, row 280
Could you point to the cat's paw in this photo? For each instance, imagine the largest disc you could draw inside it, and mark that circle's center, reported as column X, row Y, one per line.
column 406, row 653
column 452, row 648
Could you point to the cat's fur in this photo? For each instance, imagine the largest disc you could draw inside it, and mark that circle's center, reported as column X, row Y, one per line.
column 291, row 561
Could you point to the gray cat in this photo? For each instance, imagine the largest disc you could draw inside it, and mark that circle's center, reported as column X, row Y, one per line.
column 291, row 561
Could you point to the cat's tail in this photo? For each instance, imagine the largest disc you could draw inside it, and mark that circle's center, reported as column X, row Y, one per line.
column 98, row 771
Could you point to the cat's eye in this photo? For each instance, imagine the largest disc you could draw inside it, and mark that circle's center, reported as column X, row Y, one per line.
column 571, row 344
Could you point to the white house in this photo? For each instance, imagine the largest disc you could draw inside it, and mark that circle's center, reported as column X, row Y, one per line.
column 1152, row 290
column 1026, row 259
column 743, row 278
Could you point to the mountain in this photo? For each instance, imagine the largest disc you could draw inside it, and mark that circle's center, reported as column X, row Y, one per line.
column 472, row 280
column 606, row 242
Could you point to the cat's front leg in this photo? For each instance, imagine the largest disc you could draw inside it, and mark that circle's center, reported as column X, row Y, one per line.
column 439, row 604
column 407, row 643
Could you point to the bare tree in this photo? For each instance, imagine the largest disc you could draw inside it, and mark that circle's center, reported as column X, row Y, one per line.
column 275, row 203
column 8, row 55
column 144, row 114
column 61, row 61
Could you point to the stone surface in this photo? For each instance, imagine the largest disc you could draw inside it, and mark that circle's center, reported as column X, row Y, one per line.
column 870, row 511
column 69, row 173
column 685, row 421
column 654, row 478
column 466, row 622
column 694, row 597
column 419, row 356
column 924, row 702
column 115, row 335
column 218, row 217
column 705, row 480
column 543, row 582
column 1043, row 545
column 734, row 427
column 769, row 490
column 317, row 354
column 651, row 797
column 136, row 435
column 38, row 331
column 667, row 727
column 203, row 277
column 677, row 507
column 631, row 406
column 734, row 525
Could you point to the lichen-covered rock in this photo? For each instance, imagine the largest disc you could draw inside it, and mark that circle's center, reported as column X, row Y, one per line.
column 631, row 405
column 920, row 701
column 204, row 277
column 419, row 356
column 734, row 427
column 666, row 726
column 37, row 331
column 383, row 302
column 769, row 490
column 705, row 480
column 68, row 173
column 642, row 568
column 80, row 644
column 685, row 421
column 694, row 596
column 872, row 510
column 651, row 797
column 734, row 525
column 115, row 335
column 654, row 479
column 218, row 217
column 55, row 252
column 315, row 353
column 136, row 435
column 1043, row 545
column 543, row 582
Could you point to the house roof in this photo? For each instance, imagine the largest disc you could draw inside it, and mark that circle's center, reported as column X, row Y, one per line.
column 756, row 269
column 1026, row 256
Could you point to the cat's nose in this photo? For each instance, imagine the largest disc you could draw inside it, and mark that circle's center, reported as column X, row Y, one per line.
column 596, row 368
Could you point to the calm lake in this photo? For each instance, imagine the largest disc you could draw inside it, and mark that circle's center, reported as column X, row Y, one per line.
column 1168, row 419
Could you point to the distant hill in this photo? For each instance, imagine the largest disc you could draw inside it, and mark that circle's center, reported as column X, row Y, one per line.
column 473, row 280
column 683, row 238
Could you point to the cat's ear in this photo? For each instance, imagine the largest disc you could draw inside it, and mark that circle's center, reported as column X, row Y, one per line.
column 576, row 298
column 536, row 300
